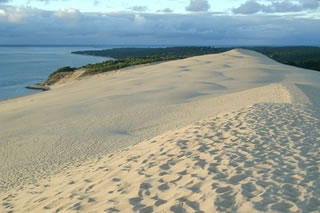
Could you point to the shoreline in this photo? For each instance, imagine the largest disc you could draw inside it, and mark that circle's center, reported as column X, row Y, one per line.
column 17, row 89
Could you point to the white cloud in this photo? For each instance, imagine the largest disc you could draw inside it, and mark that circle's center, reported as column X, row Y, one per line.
column 249, row 7
column 17, row 15
column 139, row 19
column 198, row 6
column 71, row 14
column 3, row 12
column 166, row 10
column 139, row 8
column 281, row 6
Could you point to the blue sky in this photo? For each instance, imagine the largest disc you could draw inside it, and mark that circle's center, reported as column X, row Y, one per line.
column 165, row 22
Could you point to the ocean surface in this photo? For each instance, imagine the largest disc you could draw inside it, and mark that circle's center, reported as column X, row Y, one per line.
column 24, row 65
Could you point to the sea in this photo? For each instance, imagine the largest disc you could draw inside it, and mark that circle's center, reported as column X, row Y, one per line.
column 21, row 66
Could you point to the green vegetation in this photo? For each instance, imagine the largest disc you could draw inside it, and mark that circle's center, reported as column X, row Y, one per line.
column 303, row 57
column 124, row 53
column 63, row 69
column 58, row 75
column 107, row 66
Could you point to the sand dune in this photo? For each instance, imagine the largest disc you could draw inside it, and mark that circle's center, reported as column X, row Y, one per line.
column 244, row 161
column 253, row 146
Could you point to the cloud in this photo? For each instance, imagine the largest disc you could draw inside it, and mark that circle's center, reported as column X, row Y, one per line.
column 4, row 1
column 71, row 14
column 139, row 8
column 198, row 6
column 282, row 6
column 96, row 2
column 17, row 15
column 47, row 1
column 166, row 10
column 31, row 26
column 310, row 4
column 139, row 19
column 248, row 7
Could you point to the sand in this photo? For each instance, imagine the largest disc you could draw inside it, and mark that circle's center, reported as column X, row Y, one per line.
column 233, row 132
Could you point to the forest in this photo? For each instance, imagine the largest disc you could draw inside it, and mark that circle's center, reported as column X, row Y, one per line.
column 300, row 56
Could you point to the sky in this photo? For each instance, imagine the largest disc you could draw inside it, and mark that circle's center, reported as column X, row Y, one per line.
column 155, row 22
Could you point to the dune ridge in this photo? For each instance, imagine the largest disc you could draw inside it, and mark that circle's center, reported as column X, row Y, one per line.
column 232, row 132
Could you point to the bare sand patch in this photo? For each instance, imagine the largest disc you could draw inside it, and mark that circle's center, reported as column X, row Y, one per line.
column 248, row 160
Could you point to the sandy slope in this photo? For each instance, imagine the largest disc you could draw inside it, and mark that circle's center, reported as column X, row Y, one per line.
column 264, row 157
column 260, row 156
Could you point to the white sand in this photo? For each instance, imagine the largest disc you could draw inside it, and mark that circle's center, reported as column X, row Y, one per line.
column 256, row 148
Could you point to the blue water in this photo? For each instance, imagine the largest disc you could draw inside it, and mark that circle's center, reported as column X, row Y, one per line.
column 25, row 65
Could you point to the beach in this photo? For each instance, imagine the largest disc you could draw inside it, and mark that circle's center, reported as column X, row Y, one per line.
column 230, row 132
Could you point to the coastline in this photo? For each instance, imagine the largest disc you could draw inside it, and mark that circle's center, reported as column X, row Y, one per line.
column 23, row 66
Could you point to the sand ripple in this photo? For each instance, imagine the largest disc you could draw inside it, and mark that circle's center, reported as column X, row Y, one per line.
column 263, row 158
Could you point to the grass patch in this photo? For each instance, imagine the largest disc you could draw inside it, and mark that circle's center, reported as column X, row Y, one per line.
column 107, row 66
